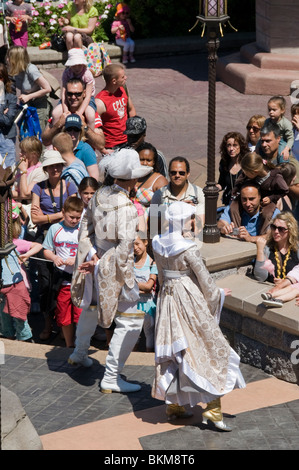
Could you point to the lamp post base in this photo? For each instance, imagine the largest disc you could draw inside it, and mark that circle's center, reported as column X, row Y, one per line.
column 211, row 233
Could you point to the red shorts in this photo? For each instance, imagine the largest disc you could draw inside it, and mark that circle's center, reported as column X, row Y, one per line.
column 66, row 312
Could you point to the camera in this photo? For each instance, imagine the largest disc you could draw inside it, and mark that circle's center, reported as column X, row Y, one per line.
column 236, row 231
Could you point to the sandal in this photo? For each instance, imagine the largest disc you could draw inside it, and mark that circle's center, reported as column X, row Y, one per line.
column 273, row 303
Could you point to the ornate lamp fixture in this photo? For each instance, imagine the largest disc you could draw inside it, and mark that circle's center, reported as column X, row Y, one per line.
column 212, row 15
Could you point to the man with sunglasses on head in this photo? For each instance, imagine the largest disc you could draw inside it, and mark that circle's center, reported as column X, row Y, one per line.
column 179, row 188
column 251, row 222
column 75, row 94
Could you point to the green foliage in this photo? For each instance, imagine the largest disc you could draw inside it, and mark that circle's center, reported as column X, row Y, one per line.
column 151, row 18
column 46, row 14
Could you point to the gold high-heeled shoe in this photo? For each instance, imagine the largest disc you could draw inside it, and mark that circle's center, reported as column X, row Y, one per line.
column 175, row 411
column 213, row 413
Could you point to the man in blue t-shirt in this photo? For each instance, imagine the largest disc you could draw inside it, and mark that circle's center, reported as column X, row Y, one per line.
column 251, row 220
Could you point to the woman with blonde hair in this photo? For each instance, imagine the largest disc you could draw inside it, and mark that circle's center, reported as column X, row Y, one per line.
column 277, row 258
column 253, row 127
column 79, row 24
column 29, row 80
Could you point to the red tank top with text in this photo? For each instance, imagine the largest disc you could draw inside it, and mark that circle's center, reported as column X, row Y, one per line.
column 115, row 117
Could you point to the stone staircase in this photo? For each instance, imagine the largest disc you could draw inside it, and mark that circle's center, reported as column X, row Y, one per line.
column 254, row 72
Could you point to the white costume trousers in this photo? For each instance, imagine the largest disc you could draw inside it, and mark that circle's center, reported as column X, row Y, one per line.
column 124, row 338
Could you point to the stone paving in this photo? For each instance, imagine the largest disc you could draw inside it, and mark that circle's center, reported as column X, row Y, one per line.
column 59, row 398
column 65, row 404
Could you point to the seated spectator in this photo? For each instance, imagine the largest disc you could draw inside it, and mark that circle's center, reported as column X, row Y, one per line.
column 253, row 127
column 251, row 221
column 278, row 256
column 80, row 23
column 272, row 187
column 232, row 149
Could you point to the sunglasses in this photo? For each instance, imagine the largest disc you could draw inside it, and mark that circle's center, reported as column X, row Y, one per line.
column 280, row 229
column 254, row 128
column 77, row 95
column 181, row 173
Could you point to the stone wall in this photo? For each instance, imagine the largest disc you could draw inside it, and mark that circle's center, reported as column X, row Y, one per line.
column 277, row 26
column 261, row 345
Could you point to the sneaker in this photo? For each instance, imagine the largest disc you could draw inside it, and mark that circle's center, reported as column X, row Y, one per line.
column 266, row 296
column 76, row 360
column 125, row 59
column 132, row 60
column 273, row 303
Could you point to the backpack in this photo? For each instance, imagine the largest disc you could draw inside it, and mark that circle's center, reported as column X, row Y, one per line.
column 29, row 124
column 97, row 58
column 55, row 92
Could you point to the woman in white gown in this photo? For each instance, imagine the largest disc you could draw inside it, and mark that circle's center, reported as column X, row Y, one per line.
column 194, row 362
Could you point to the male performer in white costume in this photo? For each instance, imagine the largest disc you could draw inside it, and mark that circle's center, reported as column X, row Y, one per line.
column 103, row 281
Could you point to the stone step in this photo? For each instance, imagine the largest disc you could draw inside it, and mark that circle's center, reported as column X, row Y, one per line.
column 252, row 80
column 253, row 72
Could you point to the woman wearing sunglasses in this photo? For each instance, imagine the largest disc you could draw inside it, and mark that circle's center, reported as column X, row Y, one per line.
column 253, row 127
column 277, row 260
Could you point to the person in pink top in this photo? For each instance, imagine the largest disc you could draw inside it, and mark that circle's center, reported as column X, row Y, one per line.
column 30, row 169
column 76, row 68
column 122, row 27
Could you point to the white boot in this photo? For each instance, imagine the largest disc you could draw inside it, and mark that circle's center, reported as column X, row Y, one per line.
column 85, row 329
column 124, row 338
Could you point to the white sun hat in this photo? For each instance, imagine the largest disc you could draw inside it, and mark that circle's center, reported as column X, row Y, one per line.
column 124, row 164
column 76, row 56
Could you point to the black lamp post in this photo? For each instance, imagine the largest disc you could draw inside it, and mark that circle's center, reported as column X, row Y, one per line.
column 212, row 15
column 6, row 239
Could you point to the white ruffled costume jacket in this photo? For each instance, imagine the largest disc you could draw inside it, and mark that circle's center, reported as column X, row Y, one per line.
column 108, row 228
